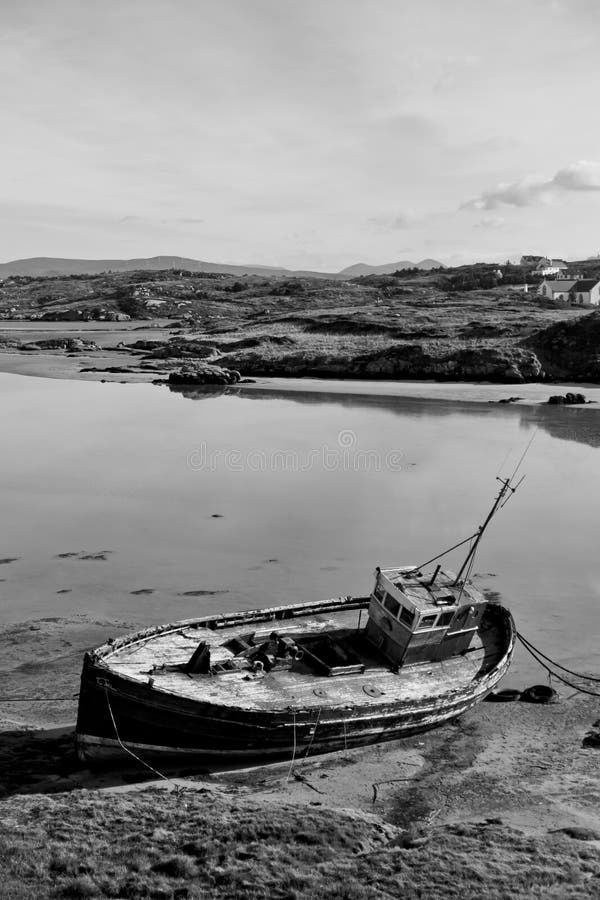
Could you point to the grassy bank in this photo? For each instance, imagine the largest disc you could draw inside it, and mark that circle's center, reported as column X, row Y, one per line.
column 199, row 845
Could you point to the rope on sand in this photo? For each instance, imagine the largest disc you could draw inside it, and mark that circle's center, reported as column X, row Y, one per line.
column 37, row 699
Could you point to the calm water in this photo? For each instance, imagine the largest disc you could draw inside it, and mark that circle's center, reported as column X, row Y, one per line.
column 143, row 472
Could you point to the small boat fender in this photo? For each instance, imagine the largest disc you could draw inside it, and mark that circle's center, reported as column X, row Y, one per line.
column 540, row 693
column 508, row 695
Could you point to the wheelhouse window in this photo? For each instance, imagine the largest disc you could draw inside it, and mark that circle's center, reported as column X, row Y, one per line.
column 391, row 604
column 427, row 622
column 445, row 619
column 407, row 616
column 379, row 592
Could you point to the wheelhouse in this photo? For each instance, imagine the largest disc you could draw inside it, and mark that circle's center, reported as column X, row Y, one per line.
column 422, row 617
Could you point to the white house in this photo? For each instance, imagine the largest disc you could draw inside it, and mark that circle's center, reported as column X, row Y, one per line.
column 557, row 289
column 551, row 267
column 586, row 292
column 577, row 292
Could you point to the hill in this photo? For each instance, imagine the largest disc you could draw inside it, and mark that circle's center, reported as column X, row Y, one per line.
column 49, row 266
column 359, row 269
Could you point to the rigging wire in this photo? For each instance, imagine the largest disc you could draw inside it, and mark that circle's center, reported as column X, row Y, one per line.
column 503, row 463
column 523, row 455
column 444, row 552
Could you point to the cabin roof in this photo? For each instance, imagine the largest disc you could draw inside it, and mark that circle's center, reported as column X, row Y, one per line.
column 417, row 587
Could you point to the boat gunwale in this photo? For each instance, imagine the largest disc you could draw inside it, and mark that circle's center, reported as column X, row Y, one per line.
column 103, row 667
column 223, row 620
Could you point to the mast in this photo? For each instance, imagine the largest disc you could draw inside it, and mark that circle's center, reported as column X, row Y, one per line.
column 504, row 490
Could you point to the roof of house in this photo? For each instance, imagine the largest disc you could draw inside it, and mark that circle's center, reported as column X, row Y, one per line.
column 554, row 263
column 561, row 285
column 585, row 284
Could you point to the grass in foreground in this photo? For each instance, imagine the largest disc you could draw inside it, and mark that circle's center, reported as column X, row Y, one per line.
column 196, row 845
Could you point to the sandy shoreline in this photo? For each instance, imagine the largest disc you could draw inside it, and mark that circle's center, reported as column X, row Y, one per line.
column 59, row 366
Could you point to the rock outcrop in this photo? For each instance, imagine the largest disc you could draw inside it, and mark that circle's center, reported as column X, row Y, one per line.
column 204, row 374
column 442, row 361
column 178, row 348
column 69, row 345
column 570, row 350
column 566, row 399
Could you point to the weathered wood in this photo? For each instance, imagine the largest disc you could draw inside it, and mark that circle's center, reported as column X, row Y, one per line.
column 161, row 710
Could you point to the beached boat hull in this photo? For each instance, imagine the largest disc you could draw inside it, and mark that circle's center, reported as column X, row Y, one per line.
column 118, row 711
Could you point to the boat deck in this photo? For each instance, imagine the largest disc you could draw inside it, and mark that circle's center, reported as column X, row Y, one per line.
column 296, row 687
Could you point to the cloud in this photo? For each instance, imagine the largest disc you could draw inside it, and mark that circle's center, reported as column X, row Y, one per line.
column 582, row 176
column 396, row 222
column 487, row 223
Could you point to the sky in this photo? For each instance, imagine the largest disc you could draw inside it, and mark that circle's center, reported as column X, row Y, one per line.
column 312, row 134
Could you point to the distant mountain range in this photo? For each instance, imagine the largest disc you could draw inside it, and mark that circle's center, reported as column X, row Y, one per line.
column 387, row 268
column 44, row 265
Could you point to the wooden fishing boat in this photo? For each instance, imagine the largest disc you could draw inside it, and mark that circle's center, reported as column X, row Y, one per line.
column 308, row 678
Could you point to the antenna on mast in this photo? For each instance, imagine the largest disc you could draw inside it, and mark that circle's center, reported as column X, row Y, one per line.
column 507, row 489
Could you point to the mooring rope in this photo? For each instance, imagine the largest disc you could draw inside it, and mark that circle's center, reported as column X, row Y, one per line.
column 37, row 699
column 126, row 749
column 554, row 663
column 312, row 737
column 289, row 774
column 534, row 652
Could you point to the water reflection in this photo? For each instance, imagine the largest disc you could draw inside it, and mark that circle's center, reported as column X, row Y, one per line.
column 562, row 422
